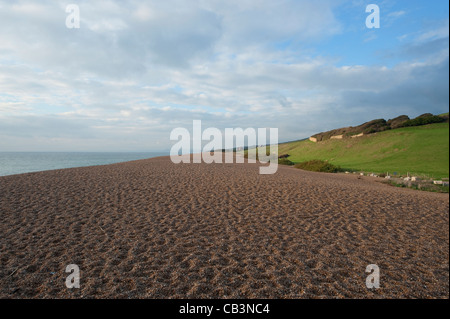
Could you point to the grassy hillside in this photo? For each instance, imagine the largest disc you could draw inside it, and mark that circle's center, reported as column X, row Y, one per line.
column 421, row 150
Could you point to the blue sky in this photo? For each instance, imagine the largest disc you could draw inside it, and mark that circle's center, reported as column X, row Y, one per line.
column 401, row 21
column 135, row 70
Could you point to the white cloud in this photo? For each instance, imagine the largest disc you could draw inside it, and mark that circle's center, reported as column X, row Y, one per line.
column 134, row 71
column 438, row 33
column 396, row 14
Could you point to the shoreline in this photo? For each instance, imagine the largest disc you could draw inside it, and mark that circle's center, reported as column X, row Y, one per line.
column 34, row 170
column 153, row 229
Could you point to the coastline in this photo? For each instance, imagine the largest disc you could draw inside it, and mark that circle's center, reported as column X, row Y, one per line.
column 14, row 163
column 153, row 229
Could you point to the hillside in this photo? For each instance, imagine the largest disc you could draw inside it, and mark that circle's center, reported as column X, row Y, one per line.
column 380, row 125
column 421, row 150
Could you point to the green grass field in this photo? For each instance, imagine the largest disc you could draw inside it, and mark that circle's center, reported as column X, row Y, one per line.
column 421, row 150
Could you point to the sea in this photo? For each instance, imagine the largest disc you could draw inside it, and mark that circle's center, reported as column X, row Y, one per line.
column 25, row 162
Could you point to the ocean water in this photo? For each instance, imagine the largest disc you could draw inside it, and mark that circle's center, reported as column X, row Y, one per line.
column 26, row 162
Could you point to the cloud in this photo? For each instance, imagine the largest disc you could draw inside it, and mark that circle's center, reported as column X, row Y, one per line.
column 396, row 14
column 135, row 70
column 429, row 44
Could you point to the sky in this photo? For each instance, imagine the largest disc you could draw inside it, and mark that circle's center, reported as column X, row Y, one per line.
column 135, row 70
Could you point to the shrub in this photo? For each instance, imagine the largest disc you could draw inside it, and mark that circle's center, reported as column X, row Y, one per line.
column 424, row 120
column 285, row 161
column 318, row 166
column 398, row 121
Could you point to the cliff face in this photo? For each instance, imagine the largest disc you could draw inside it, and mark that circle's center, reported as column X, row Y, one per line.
column 366, row 128
column 378, row 125
column 398, row 121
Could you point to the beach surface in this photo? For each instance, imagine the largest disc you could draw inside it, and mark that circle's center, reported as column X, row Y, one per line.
column 154, row 229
